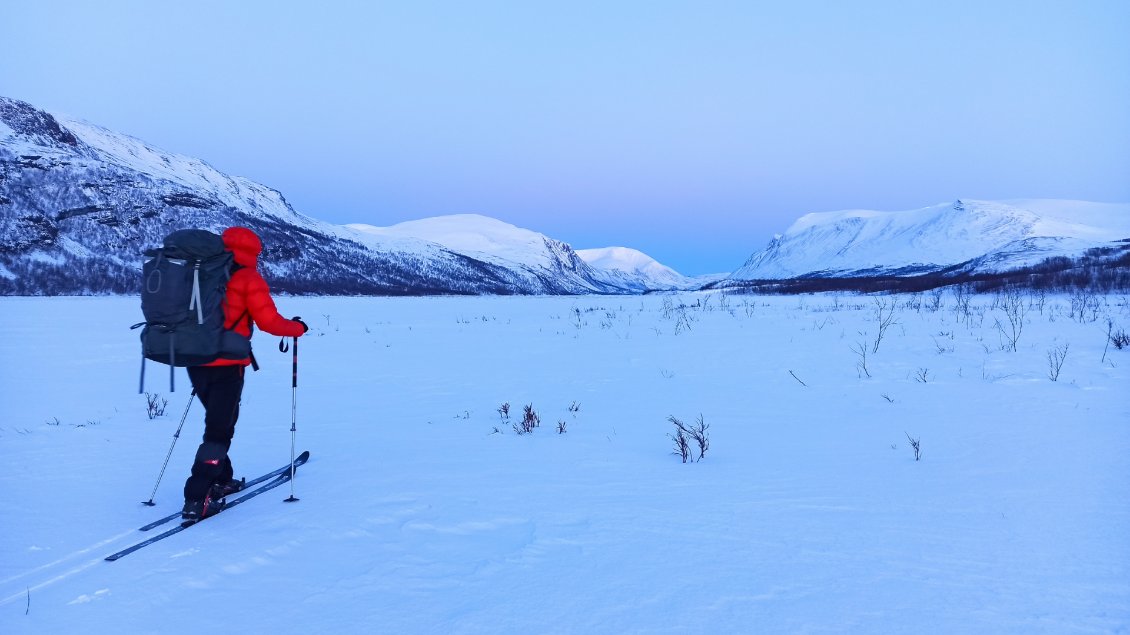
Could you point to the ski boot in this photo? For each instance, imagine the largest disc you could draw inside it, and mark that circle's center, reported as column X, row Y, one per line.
column 197, row 510
column 220, row 490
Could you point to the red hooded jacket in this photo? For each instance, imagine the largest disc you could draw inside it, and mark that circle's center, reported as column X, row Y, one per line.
column 248, row 294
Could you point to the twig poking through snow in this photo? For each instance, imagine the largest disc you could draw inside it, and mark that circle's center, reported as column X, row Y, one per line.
column 916, row 444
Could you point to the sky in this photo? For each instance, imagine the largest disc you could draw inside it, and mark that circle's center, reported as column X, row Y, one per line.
column 693, row 131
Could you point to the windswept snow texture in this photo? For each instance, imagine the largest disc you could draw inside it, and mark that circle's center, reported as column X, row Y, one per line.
column 999, row 235
column 423, row 511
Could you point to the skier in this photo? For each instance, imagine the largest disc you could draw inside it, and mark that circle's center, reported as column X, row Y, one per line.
column 219, row 384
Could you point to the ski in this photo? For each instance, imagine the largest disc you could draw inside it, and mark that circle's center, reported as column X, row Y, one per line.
column 280, row 479
column 302, row 458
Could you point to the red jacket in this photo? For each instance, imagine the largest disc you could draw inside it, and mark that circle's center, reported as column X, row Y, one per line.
column 248, row 294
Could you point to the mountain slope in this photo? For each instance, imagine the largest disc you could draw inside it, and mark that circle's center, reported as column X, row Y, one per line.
column 977, row 236
column 79, row 203
column 535, row 260
column 634, row 269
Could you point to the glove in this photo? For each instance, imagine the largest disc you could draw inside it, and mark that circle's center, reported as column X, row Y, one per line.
column 299, row 320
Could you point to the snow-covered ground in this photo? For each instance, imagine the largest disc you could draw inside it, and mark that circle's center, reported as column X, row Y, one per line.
column 423, row 512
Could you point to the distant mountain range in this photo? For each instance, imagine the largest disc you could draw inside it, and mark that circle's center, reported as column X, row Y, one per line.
column 624, row 266
column 958, row 240
column 529, row 253
column 79, row 203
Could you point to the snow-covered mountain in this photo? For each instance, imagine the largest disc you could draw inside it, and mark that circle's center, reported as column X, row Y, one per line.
column 631, row 268
column 79, row 203
column 534, row 259
column 962, row 236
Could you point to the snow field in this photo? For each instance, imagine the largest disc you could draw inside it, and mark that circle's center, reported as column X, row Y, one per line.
column 423, row 511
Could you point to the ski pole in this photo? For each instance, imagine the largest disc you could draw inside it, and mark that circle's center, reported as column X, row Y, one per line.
column 176, row 435
column 293, row 410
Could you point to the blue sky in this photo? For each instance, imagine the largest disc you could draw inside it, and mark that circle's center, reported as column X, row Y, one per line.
column 693, row 131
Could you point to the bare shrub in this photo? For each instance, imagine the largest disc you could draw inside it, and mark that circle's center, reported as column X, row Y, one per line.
column 697, row 432
column 934, row 304
column 916, row 445
column 1120, row 340
column 578, row 321
column 1056, row 356
column 962, row 295
column 1015, row 308
column 682, row 322
column 914, row 302
column 885, row 316
column 1085, row 305
column 860, row 350
column 1118, row 337
column 940, row 347
column 682, row 443
column 530, row 420
column 678, row 314
column 155, row 405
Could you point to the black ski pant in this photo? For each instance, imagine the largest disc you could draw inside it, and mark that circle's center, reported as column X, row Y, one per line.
column 219, row 388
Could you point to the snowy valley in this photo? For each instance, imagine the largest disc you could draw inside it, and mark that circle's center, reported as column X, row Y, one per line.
column 425, row 509
column 492, row 420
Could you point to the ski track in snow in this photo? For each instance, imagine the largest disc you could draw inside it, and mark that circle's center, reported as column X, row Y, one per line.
column 422, row 511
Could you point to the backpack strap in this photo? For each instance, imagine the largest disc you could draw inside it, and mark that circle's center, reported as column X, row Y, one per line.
column 172, row 361
column 153, row 281
column 194, row 299
column 141, row 383
column 250, row 324
column 250, row 332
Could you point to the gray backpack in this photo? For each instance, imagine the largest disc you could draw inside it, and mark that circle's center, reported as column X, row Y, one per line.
column 183, row 286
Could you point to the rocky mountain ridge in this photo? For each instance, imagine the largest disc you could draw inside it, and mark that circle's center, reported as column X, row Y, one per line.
column 79, row 204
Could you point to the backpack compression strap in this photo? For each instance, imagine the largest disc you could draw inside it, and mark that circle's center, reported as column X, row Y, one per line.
column 194, row 300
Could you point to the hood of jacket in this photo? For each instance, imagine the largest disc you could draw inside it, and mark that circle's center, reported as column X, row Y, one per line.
column 244, row 244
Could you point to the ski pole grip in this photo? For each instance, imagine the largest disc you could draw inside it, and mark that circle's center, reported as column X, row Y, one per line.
column 294, row 365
